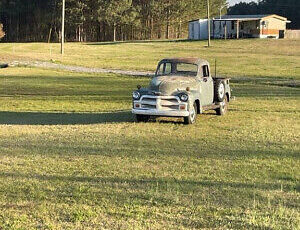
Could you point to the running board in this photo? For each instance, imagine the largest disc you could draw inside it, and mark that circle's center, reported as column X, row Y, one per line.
column 211, row 107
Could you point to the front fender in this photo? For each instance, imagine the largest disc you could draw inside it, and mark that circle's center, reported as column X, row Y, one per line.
column 194, row 96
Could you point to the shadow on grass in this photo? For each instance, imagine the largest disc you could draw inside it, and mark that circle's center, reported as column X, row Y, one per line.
column 151, row 182
column 140, row 41
column 35, row 118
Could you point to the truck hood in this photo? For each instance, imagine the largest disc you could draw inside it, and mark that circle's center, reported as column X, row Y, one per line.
column 167, row 85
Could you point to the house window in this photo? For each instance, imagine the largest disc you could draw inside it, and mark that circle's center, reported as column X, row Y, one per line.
column 232, row 25
column 242, row 26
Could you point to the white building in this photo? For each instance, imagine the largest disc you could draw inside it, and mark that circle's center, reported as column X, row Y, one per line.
column 239, row 26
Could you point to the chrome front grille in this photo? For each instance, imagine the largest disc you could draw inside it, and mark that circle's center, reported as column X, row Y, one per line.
column 160, row 102
column 173, row 107
column 145, row 106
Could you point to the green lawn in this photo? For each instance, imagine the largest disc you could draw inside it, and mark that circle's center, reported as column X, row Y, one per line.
column 249, row 57
column 71, row 156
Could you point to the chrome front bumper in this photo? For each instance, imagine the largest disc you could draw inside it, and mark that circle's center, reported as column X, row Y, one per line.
column 155, row 112
column 167, row 106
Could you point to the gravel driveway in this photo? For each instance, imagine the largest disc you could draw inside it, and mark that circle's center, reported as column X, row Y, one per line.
column 78, row 69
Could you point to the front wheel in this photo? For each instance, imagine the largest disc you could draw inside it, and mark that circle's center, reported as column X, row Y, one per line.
column 142, row 118
column 191, row 119
column 224, row 107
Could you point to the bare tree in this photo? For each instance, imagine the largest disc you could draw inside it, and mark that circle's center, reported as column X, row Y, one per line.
column 2, row 33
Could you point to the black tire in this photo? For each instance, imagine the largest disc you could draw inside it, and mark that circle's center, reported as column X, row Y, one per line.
column 142, row 118
column 2, row 66
column 191, row 119
column 224, row 107
column 219, row 91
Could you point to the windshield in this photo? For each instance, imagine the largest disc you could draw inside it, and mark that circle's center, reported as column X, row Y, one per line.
column 180, row 69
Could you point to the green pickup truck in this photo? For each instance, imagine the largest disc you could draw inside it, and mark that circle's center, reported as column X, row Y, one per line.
column 181, row 87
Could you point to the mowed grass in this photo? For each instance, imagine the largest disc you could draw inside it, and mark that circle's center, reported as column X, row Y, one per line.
column 71, row 157
column 248, row 57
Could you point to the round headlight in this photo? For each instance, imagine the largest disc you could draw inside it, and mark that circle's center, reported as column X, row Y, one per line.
column 136, row 95
column 184, row 97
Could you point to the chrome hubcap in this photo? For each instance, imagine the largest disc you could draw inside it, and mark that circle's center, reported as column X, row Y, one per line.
column 221, row 91
column 193, row 114
column 223, row 105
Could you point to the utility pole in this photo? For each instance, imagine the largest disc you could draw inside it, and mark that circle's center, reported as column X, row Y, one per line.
column 63, row 27
column 221, row 8
column 208, row 24
column 225, row 29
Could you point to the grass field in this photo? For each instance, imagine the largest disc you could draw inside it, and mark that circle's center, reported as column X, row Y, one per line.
column 256, row 58
column 71, row 156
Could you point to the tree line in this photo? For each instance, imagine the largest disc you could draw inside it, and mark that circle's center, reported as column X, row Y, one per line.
column 286, row 8
column 101, row 20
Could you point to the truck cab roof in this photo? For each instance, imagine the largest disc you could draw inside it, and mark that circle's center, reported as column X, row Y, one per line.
column 195, row 61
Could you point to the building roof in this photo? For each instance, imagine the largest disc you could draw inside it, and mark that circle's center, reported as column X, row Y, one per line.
column 256, row 16
column 247, row 17
column 250, row 17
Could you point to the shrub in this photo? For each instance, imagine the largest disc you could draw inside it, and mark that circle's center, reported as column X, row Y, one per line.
column 2, row 33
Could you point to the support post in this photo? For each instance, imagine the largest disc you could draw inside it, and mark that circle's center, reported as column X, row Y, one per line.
column 63, row 27
column 208, row 24
column 225, row 30
column 237, row 29
column 214, row 28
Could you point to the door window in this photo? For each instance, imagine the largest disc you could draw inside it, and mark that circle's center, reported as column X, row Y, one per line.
column 165, row 69
column 205, row 71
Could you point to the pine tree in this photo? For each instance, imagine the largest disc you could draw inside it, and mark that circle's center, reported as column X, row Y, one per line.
column 118, row 13
column 101, row 20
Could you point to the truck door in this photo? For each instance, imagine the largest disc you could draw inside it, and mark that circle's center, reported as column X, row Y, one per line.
column 206, row 86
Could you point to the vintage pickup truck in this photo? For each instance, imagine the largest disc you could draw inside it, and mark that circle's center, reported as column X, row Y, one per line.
column 181, row 87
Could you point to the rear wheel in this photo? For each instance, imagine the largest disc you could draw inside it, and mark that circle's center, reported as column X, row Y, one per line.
column 224, row 107
column 191, row 119
column 142, row 118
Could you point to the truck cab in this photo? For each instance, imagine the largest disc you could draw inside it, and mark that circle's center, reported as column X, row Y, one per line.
column 181, row 87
